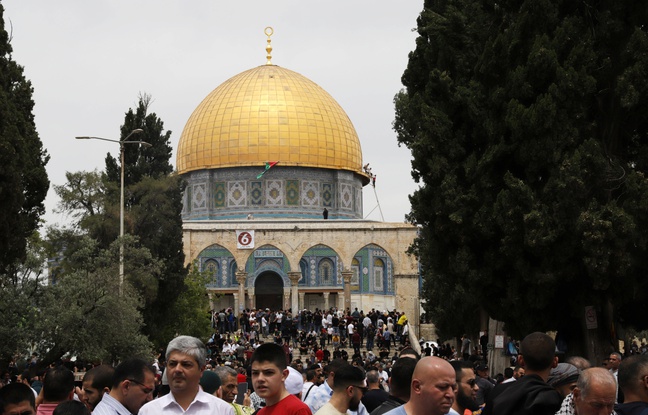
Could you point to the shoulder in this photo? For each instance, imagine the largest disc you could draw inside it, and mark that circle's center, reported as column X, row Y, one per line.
column 156, row 405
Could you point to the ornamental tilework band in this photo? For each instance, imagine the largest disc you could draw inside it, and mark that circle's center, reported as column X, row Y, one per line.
column 327, row 194
column 219, row 194
column 346, row 196
column 310, row 193
column 199, row 197
column 256, row 193
column 275, row 193
column 236, row 193
column 292, row 192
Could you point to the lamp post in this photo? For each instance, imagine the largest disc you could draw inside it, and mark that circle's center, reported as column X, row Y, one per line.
column 121, row 202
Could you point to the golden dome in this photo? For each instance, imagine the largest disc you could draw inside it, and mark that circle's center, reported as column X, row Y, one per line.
column 267, row 114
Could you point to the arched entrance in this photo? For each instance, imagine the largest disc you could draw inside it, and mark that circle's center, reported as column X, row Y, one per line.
column 268, row 290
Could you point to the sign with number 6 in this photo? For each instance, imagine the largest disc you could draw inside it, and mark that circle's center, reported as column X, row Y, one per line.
column 245, row 239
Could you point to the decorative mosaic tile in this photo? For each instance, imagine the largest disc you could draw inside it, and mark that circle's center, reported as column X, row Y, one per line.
column 256, row 193
column 274, row 193
column 313, row 272
column 310, row 193
column 292, row 192
column 338, row 266
column 358, row 201
column 224, row 272
column 199, row 197
column 219, row 194
column 236, row 193
column 346, row 196
column 327, row 194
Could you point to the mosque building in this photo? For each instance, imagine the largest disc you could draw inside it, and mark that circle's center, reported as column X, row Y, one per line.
column 273, row 203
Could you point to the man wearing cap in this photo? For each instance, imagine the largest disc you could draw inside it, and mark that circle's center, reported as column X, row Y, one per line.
column 484, row 382
column 563, row 378
column 348, row 388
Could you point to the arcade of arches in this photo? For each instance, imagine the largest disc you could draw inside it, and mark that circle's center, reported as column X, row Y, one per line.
column 307, row 264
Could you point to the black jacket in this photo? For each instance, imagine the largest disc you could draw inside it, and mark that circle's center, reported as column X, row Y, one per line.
column 529, row 395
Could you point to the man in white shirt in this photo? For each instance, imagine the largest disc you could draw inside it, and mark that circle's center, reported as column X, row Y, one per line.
column 186, row 358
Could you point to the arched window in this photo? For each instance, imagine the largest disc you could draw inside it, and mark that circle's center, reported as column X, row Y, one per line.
column 378, row 272
column 303, row 267
column 211, row 267
column 326, row 272
column 355, row 268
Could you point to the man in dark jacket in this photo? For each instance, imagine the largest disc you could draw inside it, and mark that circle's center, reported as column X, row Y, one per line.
column 530, row 395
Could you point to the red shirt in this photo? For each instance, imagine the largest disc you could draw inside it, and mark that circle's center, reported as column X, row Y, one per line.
column 319, row 354
column 290, row 405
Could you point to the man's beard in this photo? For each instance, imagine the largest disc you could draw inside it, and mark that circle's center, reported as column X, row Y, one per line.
column 466, row 401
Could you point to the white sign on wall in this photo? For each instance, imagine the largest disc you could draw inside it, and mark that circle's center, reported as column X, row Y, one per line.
column 245, row 239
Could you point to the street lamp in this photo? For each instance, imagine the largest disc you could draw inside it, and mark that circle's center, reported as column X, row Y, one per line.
column 121, row 207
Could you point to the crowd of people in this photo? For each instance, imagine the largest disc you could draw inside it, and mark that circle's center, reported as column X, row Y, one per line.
column 288, row 369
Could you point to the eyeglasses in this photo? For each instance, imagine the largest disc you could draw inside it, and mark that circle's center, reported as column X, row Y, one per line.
column 362, row 388
column 145, row 388
column 472, row 382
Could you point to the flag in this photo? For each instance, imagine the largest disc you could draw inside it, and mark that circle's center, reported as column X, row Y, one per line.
column 268, row 165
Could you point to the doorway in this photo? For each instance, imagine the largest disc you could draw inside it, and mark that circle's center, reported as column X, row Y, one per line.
column 268, row 290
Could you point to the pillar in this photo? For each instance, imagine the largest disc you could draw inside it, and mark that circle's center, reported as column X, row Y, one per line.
column 236, row 302
column 326, row 300
column 407, row 298
column 346, row 276
column 251, row 299
column 210, row 295
column 286, row 298
column 241, row 278
column 302, row 301
column 294, row 276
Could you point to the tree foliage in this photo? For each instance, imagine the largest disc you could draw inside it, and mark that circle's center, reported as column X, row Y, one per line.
column 153, row 205
column 83, row 313
column 23, row 179
column 527, row 122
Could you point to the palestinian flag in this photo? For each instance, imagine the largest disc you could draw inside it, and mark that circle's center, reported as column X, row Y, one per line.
column 268, row 165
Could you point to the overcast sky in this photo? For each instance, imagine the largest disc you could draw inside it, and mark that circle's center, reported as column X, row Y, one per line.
column 89, row 60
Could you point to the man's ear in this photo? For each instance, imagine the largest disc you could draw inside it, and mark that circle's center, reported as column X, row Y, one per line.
column 520, row 361
column 284, row 374
column 555, row 362
column 106, row 389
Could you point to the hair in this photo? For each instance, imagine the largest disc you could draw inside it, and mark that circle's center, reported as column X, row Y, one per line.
column 190, row 346
column 348, row 375
column 100, row 377
column 618, row 355
column 270, row 352
column 508, row 372
column 630, row 370
column 409, row 351
column 538, row 351
column 580, row 362
column 310, row 375
column 131, row 369
column 15, row 393
column 58, row 384
column 224, row 372
column 598, row 374
column 401, row 377
column 373, row 377
column 459, row 366
column 71, row 408
column 334, row 366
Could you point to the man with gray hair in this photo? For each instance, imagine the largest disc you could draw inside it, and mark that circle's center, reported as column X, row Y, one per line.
column 229, row 389
column 593, row 395
column 186, row 358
